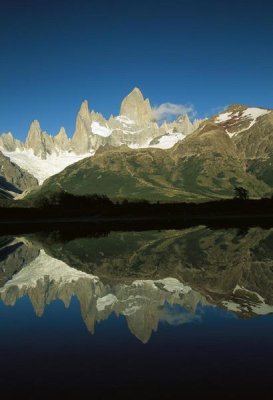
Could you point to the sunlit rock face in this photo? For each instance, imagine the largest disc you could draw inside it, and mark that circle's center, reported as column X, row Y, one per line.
column 44, row 155
column 42, row 144
column 9, row 143
column 61, row 141
column 143, row 276
column 134, row 127
column 135, row 108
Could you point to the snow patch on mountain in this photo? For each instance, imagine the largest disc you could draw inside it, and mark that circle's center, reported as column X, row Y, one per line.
column 42, row 169
column 100, row 130
column 223, row 117
column 169, row 140
column 125, row 120
column 250, row 114
column 254, row 112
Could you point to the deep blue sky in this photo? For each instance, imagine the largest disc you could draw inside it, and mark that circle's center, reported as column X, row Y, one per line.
column 54, row 54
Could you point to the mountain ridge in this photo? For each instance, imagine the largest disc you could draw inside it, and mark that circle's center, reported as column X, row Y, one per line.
column 205, row 165
column 92, row 131
column 131, row 156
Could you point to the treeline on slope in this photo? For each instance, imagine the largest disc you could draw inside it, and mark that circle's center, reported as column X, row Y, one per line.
column 66, row 205
column 65, row 200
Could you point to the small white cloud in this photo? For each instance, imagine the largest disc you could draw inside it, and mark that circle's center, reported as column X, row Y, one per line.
column 169, row 111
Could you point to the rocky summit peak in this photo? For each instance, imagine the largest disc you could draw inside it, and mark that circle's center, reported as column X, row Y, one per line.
column 183, row 118
column 135, row 107
column 84, row 109
column 61, row 141
column 235, row 107
column 61, row 133
column 136, row 92
column 35, row 124
column 134, row 95
column 34, row 130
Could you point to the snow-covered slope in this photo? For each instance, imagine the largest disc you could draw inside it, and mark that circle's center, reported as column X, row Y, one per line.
column 168, row 140
column 40, row 168
column 238, row 119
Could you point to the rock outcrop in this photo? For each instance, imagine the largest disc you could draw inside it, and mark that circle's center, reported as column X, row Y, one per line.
column 136, row 108
column 42, row 144
column 61, row 141
column 13, row 179
column 9, row 143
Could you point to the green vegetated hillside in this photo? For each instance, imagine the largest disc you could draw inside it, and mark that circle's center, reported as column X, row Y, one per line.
column 207, row 164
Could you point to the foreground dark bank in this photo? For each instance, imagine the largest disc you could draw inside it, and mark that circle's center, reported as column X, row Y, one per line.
column 100, row 213
column 140, row 315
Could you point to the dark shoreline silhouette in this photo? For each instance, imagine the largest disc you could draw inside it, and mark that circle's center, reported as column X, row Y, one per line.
column 97, row 213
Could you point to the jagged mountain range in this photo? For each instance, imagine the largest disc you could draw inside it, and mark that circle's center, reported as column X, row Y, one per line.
column 131, row 156
column 208, row 163
column 141, row 275
column 44, row 155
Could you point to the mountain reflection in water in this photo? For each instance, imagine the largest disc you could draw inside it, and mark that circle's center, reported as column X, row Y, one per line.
column 147, row 277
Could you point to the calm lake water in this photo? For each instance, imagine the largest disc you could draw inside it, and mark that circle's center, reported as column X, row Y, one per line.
column 142, row 315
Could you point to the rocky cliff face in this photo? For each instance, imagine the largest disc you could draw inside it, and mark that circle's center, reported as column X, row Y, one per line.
column 134, row 127
column 13, row 179
column 42, row 144
column 9, row 143
column 61, row 141
column 136, row 108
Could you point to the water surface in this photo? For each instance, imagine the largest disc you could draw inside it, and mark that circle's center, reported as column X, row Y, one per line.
column 157, row 314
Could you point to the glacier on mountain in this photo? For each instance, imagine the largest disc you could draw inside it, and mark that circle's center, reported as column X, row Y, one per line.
column 40, row 168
